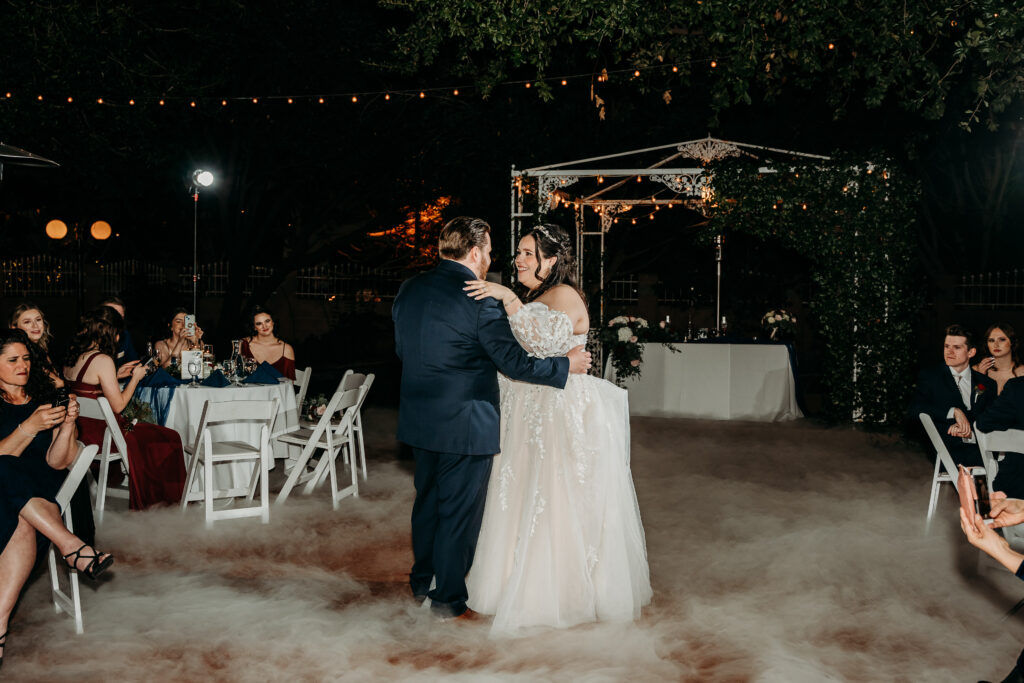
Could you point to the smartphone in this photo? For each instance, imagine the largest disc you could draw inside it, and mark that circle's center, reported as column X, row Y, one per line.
column 190, row 325
column 61, row 398
column 968, row 494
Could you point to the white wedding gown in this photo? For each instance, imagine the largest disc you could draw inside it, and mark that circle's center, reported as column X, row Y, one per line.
column 561, row 541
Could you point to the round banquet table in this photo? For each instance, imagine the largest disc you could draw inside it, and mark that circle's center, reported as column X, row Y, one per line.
column 186, row 409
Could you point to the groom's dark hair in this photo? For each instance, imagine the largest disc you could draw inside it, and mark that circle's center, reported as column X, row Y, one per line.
column 460, row 235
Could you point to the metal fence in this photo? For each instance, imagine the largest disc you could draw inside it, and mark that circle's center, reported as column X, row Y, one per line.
column 1003, row 289
column 39, row 276
column 332, row 282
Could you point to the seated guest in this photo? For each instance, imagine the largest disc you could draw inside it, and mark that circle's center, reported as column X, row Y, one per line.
column 1007, row 412
column 265, row 347
column 39, row 443
column 29, row 318
column 954, row 396
column 156, row 461
column 126, row 348
column 1002, row 362
column 180, row 339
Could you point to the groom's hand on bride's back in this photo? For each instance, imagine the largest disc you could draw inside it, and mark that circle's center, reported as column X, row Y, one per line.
column 579, row 360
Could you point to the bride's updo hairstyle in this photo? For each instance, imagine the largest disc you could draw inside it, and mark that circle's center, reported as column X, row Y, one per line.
column 552, row 240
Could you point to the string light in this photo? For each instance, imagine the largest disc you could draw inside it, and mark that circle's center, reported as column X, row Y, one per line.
column 636, row 74
column 70, row 100
column 321, row 100
column 131, row 103
column 192, row 104
column 255, row 100
column 713, row 64
column 675, row 69
column 99, row 101
column 455, row 92
column 354, row 99
column 565, row 82
column 161, row 103
column 831, row 46
column 40, row 98
column 527, row 84
column 422, row 94
column 387, row 96
column 290, row 100
column 223, row 103
column 8, row 95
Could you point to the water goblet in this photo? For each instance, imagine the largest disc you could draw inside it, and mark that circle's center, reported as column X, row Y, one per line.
column 194, row 367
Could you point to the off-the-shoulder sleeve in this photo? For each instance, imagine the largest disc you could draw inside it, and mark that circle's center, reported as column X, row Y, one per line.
column 541, row 331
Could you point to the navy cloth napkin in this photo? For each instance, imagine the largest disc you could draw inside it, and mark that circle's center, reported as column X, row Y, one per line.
column 264, row 374
column 216, row 379
column 160, row 378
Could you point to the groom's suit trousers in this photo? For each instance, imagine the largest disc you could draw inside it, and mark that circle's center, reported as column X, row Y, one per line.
column 450, row 493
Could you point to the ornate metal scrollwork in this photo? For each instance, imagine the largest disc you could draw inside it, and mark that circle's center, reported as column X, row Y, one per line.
column 690, row 185
column 709, row 149
column 548, row 184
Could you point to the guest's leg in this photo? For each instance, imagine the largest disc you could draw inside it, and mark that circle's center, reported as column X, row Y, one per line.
column 16, row 563
column 462, row 490
column 44, row 517
column 424, row 521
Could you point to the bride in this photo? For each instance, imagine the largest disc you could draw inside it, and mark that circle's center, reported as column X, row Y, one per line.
column 561, row 541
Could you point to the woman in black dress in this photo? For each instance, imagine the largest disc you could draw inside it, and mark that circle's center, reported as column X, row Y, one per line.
column 39, row 443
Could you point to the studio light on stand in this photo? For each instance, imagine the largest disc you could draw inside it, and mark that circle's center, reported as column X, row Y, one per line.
column 200, row 178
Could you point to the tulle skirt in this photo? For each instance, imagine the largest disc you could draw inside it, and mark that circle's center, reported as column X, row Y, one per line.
column 561, row 541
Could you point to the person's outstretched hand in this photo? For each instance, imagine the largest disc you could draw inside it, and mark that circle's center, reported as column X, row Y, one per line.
column 1005, row 511
column 579, row 360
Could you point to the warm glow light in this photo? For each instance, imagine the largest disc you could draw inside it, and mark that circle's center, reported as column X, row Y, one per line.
column 131, row 103
column 527, row 85
column 161, row 103
column 455, row 92
column 675, row 69
column 255, row 100
column 355, row 99
column 100, row 230
column 600, row 179
column 713, row 64
column 99, row 100
column 192, row 104
column 40, row 98
column 636, row 73
column 8, row 94
column 70, row 100
column 203, row 178
column 289, row 100
column 223, row 103
column 321, row 100
column 565, row 82
column 387, row 96
column 422, row 94
column 638, row 179
column 56, row 230
column 831, row 46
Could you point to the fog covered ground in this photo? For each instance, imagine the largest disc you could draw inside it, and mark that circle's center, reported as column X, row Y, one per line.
column 779, row 552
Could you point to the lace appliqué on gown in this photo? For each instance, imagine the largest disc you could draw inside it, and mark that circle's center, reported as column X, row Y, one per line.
column 561, row 542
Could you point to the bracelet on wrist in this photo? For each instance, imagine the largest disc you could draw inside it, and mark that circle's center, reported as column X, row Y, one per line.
column 22, row 430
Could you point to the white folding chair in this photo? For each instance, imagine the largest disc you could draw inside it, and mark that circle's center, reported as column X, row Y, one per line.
column 301, row 383
column 206, row 451
column 67, row 598
column 991, row 445
column 331, row 437
column 353, row 380
column 942, row 457
column 303, row 422
column 114, row 449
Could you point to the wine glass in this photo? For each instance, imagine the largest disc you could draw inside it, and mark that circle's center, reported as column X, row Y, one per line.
column 250, row 365
column 194, row 366
column 229, row 367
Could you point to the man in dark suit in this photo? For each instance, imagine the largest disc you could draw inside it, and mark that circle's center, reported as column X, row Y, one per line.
column 955, row 396
column 452, row 348
column 1007, row 412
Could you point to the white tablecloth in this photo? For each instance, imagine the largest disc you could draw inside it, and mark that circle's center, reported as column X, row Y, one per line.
column 186, row 409
column 714, row 381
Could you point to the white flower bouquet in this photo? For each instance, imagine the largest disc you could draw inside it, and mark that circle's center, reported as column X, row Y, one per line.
column 779, row 322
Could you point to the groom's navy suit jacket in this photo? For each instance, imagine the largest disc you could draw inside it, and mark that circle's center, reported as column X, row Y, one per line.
column 451, row 348
column 936, row 393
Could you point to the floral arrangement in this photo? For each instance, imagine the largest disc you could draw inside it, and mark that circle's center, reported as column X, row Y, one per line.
column 136, row 411
column 779, row 322
column 623, row 338
column 313, row 408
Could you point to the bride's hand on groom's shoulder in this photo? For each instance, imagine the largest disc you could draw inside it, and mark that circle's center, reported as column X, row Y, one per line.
column 481, row 289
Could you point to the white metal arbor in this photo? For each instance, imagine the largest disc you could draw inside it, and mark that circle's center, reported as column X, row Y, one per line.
column 612, row 192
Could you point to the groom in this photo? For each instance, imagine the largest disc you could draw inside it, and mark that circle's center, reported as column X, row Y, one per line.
column 452, row 348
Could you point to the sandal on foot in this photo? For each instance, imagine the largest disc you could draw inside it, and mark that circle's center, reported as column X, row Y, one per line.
column 96, row 565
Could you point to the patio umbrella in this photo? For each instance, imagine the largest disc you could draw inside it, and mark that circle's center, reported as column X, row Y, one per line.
column 15, row 156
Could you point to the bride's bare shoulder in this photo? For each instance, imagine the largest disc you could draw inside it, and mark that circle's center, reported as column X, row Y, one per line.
column 566, row 299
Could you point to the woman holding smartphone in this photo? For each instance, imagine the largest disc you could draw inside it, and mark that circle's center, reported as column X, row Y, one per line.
column 156, row 460
column 186, row 335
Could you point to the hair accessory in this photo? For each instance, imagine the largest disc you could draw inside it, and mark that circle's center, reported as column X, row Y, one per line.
column 544, row 231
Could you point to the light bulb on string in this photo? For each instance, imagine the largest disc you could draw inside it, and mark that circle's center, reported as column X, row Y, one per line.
column 131, row 103
column 70, row 100
column 290, row 100
column 354, row 99
column 255, row 100
column 565, row 82
column 321, row 100
column 161, row 103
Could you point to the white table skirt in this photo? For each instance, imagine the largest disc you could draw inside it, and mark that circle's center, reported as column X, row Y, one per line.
column 714, row 381
column 186, row 409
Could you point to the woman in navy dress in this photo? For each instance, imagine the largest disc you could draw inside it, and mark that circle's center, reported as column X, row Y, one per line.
column 40, row 442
